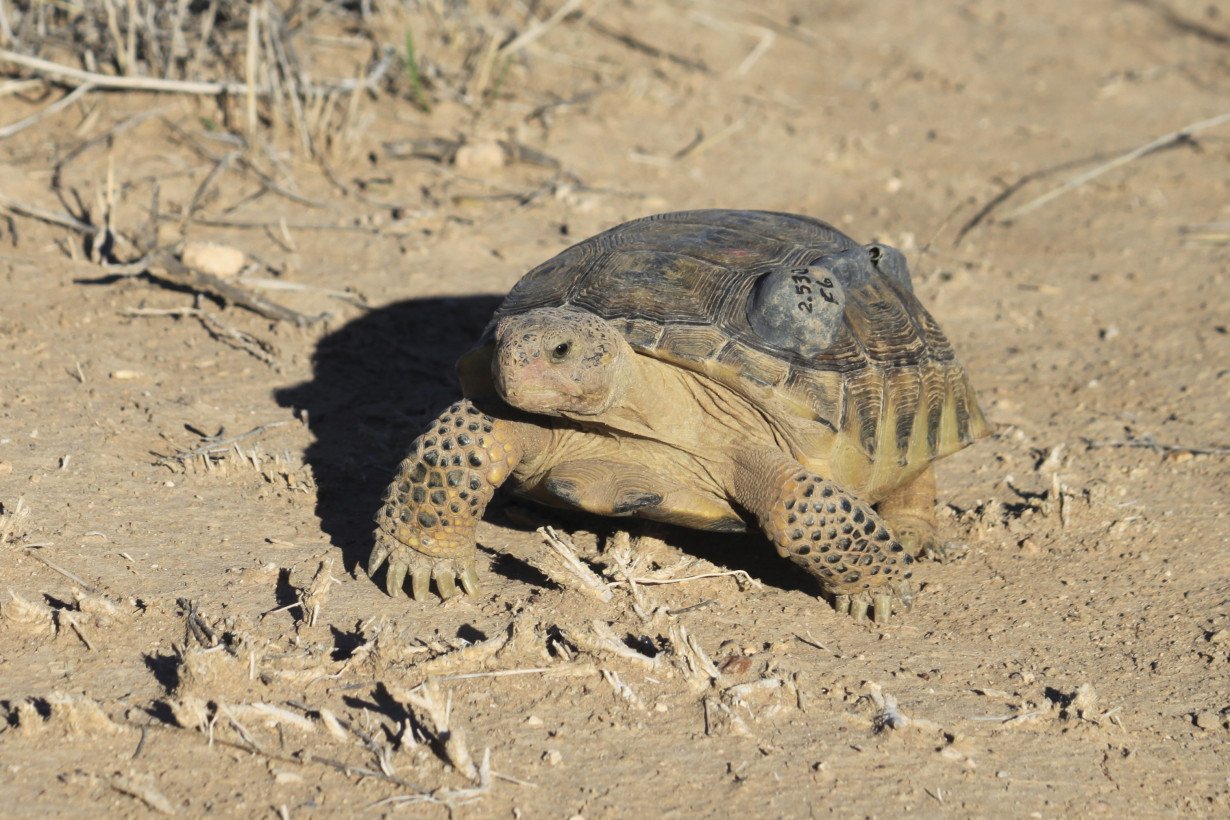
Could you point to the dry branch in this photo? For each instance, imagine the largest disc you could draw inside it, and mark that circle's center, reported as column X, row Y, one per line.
column 1165, row 141
column 57, row 106
column 435, row 715
column 75, row 77
column 312, row 597
column 636, row 44
column 537, row 30
column 1147, row 442
column 589, row 580
column 257, row 348
column 13, row 521
column 72, row 576
column 143, row 791
column 162, row 265
column 34, row 212
column 215, row 446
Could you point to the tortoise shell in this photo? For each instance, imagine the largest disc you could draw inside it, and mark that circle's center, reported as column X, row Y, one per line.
column 789, row 312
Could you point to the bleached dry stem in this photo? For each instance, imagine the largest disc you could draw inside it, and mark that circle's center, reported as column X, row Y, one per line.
column 433, row 713
column 697, row 666
column 601, row 640
column 76, row 77
column 589, row 580
column 314, row 594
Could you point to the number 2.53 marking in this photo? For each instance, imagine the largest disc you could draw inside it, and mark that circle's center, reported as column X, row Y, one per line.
column 803, row 287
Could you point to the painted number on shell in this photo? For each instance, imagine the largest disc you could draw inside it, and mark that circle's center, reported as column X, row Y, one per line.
column 803, row 284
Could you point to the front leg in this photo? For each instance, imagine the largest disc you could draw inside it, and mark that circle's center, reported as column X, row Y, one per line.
column 832, row 534
column 425, row 528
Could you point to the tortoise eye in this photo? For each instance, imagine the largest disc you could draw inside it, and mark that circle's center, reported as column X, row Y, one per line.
column 560, row 351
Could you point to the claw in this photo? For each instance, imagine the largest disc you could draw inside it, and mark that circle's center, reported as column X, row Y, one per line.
column 469, row 578
column 446, row 583
column 882, row 608
column 380, row 553
column 934, row 550
column 858, row 608
column 906, row 593
column 841, row 603
column 394, row 578
column 420, row 584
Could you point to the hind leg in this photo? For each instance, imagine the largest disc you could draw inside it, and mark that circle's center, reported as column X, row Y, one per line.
column 832, row 534
column 909, row 512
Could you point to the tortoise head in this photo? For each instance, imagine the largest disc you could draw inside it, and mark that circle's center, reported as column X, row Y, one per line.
column 559, row 361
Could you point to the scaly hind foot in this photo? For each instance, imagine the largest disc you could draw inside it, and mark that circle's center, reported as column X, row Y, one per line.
column 909, row 512
column 406, row 562
column 836, row 537
column 879, row 603
column 919, row 537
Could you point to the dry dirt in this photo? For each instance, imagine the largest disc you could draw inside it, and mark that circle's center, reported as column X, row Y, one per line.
column 1073, row 656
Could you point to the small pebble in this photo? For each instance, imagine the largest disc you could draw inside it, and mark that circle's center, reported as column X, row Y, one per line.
column 479, row 156
column 736, row 665
column 222, row 261
column 552, row 757
column 1029, row 546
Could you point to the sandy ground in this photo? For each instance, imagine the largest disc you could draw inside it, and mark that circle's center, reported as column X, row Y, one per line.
column 1071, row 659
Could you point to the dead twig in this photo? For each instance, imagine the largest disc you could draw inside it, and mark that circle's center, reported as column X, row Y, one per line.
column 312, row 597
column 600, row 639
column 1178, row 137
column 111, row 133
column 1216, row 233
column 238, row 339
column 144, row 792
column 277, row 284
column 76, row 579
column 163, row 266
column 571, row 670
column 1010, row 190
column 1147, row 442
column 890, row 715
column 50, row 217
column 51, row 110
column 448, row 797
column 13, row 521
column 739, row 575
column 699, row 669
column 590, row 581
column 434, row 714
column 19, row 86
column 214, row 445
column 68, row 75
column 647, row 49
column 537, row 30
column 267, row 182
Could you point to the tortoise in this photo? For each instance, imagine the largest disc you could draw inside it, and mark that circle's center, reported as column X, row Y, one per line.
column 722, row 370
